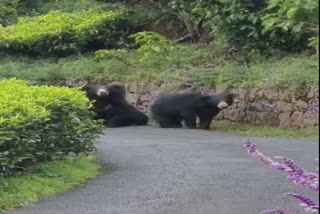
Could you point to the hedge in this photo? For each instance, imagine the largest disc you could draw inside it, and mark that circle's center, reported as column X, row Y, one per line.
column 65, row 33
column 42, row 123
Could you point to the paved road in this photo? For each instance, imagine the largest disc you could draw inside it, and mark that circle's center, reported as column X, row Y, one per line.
column 165, row 171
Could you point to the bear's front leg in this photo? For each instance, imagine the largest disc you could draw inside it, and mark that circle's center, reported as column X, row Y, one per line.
column 205, row 122
column 117, row 121
column 190, row 121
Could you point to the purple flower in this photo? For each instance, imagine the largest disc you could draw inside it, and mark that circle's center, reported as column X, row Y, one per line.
column 252, row 149
column 311, row 205
column 296, row 174
column 283, row 212
column 312, row 110
column 274, row 212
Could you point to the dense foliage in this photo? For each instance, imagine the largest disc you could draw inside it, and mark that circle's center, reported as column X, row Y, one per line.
column 40, row 7
column 263, row 25
column 299, row 17
column 8, row 8
column 40, row 123
column 64, row 33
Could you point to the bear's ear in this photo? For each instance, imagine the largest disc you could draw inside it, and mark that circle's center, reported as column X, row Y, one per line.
column 102, row 92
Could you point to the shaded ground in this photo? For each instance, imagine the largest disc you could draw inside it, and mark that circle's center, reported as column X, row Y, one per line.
column 166, row 171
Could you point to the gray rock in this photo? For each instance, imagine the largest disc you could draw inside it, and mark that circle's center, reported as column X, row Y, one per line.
column 272, row 94
column 252, row 94
column 297, row 119
column 311, row 94
column 285, row 119
column 268, row 118
column 301, row 105
column 309, row 120
column 285, row 107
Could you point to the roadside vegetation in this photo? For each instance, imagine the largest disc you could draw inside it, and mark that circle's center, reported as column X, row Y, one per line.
column 207, row 65
column 212, row 43
column 46, row 179
column 265, row 131
column 266, row 44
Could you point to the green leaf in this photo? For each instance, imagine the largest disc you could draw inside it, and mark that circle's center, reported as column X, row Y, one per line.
column 292, row 13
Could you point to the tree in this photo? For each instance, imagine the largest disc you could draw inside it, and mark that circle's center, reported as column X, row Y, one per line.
column 301, row 17
column 187, row 11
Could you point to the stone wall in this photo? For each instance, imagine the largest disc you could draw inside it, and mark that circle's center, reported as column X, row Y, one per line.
column 275, row 107
column 284, row 108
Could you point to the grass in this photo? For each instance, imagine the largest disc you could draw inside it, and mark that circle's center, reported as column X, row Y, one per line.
column 210, row 66
column 265, row 131
column 258, row 131
column 45, row 180
column 36, row 7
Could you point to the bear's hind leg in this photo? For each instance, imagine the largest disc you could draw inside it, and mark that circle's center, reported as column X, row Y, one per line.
column 139, row 118
column 168, row 123
column 117, row 121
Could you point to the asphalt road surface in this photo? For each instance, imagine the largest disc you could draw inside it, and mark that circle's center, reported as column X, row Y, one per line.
column 148, row 170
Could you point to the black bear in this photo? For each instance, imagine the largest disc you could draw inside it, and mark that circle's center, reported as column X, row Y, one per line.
column 109, row 104
column 170, row 110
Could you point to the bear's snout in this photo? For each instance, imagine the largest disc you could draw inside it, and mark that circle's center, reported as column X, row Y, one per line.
column 223, row 105
column 102, row 92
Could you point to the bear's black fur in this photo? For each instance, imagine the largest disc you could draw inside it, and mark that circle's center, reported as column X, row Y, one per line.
column 109, row 104
column 170, row 110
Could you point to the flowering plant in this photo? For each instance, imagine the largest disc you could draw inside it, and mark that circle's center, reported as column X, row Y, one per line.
column 297, row 175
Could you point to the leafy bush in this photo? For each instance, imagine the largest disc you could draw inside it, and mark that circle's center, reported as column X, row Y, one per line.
column 65, row 33
column 40, row 123
column 301, row 17
column 7, row 9
column 39, row 7
column 117, row 54
column 152, row 44
column 239, row 24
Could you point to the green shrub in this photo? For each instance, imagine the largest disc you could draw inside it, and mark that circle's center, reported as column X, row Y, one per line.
column 8, row 8
column 239, row 23
column 301, row 17
column 65, row 33
column 152, row 44
column 38, row 7
column 40, row 123
column 117, row 54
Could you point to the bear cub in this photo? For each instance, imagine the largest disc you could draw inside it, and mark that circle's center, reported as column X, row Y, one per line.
column 170, row 110
column 109, row 104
